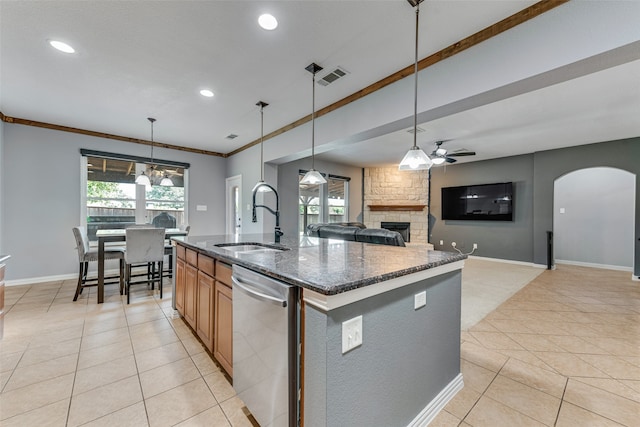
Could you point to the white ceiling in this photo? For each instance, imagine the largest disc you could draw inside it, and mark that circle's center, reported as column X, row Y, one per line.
column 139, row 59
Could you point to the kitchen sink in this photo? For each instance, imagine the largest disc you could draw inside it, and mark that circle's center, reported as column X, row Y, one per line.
column 239, row 248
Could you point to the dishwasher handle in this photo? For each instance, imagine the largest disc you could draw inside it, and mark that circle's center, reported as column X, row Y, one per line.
column 246, row 287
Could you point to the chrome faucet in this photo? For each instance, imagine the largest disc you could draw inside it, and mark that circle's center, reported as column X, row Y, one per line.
column 278, row 232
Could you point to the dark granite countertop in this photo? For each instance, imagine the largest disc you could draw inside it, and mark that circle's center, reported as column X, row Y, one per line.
column 326, row 266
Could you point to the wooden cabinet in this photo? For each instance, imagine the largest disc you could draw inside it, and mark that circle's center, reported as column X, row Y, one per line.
column 223, row 325
column 204, row 297
column 205, row 309
column 190, row 294
column 180, row 284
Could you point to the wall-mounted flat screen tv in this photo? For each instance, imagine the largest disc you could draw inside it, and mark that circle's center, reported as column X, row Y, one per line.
column 484, row 202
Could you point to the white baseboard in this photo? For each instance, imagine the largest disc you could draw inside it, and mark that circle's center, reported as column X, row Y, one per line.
column 508, row 261
column 594, row 265
column 438, row 403
column 49, row 279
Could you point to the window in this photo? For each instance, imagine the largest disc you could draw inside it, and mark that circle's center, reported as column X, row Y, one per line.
column 112, row 199
column 323, row 203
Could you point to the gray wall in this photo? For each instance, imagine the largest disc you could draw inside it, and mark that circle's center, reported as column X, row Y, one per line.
column 550, row 165
column 42, row 203
column 495, row 239
column 288, row 189
column 525, row 239
column 602, row 201
column 414, row 355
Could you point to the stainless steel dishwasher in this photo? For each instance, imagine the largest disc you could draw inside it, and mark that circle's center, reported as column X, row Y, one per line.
column 265, row 347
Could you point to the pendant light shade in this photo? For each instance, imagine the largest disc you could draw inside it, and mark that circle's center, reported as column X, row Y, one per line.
column 261, row 186
column 313, row 177
column 166, row 181
column 415, row 159
column 143, row 179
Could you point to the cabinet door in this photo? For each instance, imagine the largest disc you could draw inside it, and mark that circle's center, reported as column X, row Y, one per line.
column 190, row 294
column 205, row 310
column 180, row 285
column 223, row 343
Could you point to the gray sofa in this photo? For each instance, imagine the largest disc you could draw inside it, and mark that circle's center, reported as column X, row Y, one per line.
column 355, row 232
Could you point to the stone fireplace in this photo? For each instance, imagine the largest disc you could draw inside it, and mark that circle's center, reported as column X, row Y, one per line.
column 404, row 228
column 397, row 196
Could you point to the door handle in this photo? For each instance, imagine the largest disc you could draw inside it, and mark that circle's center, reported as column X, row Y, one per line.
column 244, row 286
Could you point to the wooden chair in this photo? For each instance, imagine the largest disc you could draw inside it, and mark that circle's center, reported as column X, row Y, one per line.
column 145, row 246
column 87, row 255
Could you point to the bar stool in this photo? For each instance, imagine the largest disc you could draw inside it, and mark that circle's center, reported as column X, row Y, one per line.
column 87, row 255
column 144, row 246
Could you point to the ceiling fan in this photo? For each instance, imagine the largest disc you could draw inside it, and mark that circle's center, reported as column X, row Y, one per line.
column 441, row 155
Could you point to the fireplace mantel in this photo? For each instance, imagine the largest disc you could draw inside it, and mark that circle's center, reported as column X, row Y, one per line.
column 377, row 208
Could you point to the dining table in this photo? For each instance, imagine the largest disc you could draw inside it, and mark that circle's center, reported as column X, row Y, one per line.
column 120, row 235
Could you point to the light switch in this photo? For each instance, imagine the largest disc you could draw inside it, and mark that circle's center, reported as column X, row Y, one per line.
column 561, row 210
column 351, row 334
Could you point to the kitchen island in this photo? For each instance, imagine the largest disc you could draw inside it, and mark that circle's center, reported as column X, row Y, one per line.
column 407, row 365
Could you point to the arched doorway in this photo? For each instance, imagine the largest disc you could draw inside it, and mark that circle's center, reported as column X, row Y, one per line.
column 594, row 218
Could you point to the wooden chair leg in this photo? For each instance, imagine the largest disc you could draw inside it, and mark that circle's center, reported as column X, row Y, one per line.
column 128, row 282
column 121, row 276
column 160, row 274
column 79, row 287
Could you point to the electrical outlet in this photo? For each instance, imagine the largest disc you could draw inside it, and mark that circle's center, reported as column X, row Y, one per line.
column 475, row 246
column 419, row 300
column 441, row 242
column 453, row 244
column 351, row 334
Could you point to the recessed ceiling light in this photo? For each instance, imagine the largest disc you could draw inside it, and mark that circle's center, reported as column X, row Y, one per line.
column 268, row 22
column 206, row 92
column 62, row 46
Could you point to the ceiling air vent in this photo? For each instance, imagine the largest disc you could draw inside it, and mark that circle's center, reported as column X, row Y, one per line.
column 332, row 76
column 231, row 136
column 418, row 130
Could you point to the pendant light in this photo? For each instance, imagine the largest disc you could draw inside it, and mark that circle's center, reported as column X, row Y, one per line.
column 143, row 179
column 261, row 186
column 415, row 159
column 313, row 177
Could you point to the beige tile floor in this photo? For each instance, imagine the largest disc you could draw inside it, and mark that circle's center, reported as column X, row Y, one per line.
column 562, row 351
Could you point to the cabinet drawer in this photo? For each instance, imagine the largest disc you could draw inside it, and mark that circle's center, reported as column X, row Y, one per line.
column 205, row 264
column 180, row 252
column 192, row 257
column 223, row 273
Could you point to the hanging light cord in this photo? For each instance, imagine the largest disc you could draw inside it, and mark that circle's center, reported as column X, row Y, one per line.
column 313, row 115
column 415, row 98
column 261, row 137
column 151, row 119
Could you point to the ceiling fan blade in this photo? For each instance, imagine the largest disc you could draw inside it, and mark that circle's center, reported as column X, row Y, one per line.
column 450, row 160
column 461, row 153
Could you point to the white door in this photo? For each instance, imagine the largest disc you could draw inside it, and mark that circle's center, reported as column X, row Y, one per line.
column 234, row 205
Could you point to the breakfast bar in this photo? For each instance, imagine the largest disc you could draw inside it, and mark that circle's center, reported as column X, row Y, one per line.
column 378, row 326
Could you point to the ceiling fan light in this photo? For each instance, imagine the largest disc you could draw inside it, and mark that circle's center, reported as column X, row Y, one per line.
column 313, row 177
column 415, row 159
column 441, row 151
column 438, row 160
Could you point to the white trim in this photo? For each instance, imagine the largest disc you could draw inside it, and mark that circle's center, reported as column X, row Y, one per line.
column 331, row 302
column 430, row 411
column 594, row 265
column 635, row 278
column 508, row 261
column 48, row 279
column 230, row 221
